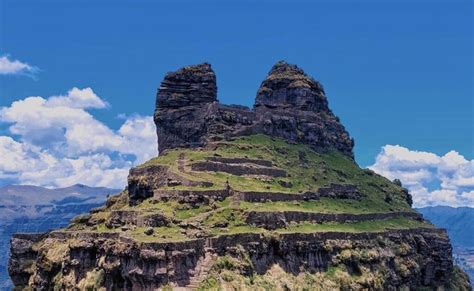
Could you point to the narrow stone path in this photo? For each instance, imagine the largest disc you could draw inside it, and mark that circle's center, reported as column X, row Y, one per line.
column 181, row 162
column 234, row 198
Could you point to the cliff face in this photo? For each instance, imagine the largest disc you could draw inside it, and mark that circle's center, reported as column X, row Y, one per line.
column 383, row 261
column 266, row 199
column 289, row 105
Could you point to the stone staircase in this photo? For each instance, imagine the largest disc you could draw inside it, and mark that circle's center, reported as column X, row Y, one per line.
column 201, row 271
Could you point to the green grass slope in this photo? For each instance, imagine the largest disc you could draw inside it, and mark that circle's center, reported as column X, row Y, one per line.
column 307, row 170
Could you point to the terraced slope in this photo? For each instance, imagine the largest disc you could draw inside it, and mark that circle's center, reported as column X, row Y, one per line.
column 237, row 213
column 255, row 182
column 269, row 199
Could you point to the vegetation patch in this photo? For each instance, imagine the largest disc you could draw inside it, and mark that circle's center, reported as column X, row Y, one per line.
column 160, row 234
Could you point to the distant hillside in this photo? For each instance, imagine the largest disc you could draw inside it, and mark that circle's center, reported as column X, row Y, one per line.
column 30, row 201
column 37, row 209
column 458, row 221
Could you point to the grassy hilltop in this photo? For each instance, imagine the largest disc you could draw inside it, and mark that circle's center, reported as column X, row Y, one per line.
column 307, row 171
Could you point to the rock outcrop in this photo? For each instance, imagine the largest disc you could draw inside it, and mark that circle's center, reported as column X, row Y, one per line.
column 184, row 105
column 289, row 105
column 293, row 106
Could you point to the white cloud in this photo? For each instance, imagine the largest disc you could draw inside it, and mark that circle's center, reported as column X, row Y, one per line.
column 77, row 98
column 58, row 143
column 15, row 67
column 431, row 179
column 140, row 130
column 17, row 156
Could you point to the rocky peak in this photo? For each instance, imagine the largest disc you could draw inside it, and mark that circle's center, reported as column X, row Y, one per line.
column 287, row 86
column 190, row 85
column 289, row 105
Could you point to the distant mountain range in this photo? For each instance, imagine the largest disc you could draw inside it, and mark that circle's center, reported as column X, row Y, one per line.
column 31, row 201
column 459, row 222
column 37, row 209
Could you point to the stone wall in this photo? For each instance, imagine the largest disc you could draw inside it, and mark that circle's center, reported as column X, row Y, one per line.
column 274, row 220
column 334, row 191
column 120, row 218
column 259, row 162
column 252, row 196
column 192, row 197
column 238, row 169
column 340, row 191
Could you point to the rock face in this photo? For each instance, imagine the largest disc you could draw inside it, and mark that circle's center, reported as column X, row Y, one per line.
column 23, row 255
column 289, row 105
column 184, row 103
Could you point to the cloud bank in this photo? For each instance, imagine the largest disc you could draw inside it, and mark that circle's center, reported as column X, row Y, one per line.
column 15, row 67
column 56, row 142
column 431, row 179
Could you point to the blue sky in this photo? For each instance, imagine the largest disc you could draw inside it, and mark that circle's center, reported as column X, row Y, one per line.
column 395, row 72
